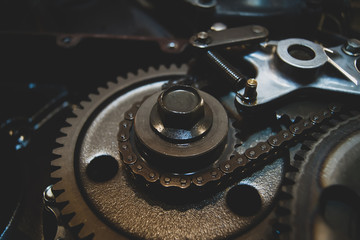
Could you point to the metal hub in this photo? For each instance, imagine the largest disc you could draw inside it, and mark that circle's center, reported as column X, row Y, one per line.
column 177, row 131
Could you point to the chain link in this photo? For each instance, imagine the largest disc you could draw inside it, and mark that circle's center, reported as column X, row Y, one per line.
column 239, row 163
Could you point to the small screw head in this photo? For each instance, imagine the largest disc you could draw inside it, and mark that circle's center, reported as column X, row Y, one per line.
column 202, row 38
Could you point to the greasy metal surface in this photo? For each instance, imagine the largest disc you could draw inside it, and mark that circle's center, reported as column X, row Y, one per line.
column 230, row 36
column 331, row 161
column 119, row 203
column 274, row 84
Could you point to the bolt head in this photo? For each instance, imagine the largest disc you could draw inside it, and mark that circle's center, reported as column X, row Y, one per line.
column 352, row 47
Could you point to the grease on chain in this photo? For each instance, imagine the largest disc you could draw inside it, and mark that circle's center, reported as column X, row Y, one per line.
column 263, row 151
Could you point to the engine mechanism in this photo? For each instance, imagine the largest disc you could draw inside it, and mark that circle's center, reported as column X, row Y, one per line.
column 239, row 131
column 163, row 154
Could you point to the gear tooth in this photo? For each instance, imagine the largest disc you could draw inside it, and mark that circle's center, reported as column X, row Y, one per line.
column 151, row 70
column 75, row 221
column 62, row 198
column 65, row 130
column 111, row 85
column 91, row 96
column 57, row 151
column 141, row 72
column 57, row 173
column 173, row 67
column 84, row 104
column 67, row 209
column 57, row 162
column 61, row 140
column 101, row 91
column 162, row 68
column 130, row 75
column 85, row 231
column 120, row 79
column 184, row 67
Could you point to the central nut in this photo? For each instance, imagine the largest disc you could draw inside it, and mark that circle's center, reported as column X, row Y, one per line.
column 180, row 114
column 180, row 107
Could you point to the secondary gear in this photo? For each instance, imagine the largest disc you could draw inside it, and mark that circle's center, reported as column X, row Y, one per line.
column 103, row 202
column 325, row 187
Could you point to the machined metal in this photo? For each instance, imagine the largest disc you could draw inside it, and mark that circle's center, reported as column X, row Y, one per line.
column 279, row 74
column 230, row 36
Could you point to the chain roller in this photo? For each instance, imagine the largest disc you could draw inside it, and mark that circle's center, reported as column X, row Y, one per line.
column 240, row 162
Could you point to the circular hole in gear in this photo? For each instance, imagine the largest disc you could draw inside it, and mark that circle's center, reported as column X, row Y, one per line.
column 339, row 207
column 301, row 52
column 102, row 168
column 244, row 200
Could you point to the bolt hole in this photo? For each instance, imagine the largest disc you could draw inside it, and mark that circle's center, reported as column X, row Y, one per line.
column 244, row 200
column 339, row 206
column 301, row 52
column 102, row 168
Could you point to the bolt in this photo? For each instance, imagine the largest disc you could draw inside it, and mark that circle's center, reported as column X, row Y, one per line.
column 352, row 47
column 202, row 36
column 152, row 175
column 263, row 147
column 250, row 90
column 233, row 76
column 167, row 180
column 139, row 167
column 214, row 173
column 227, row 166
column 199, row 179
column 216, row 27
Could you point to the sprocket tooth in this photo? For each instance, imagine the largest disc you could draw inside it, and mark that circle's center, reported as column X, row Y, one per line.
column 300, row 155
column 316, row 135
column 307, row 145
column 333, row 122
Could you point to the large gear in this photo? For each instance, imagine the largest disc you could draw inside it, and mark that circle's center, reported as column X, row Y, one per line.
column 112, row 206
column 322, row 186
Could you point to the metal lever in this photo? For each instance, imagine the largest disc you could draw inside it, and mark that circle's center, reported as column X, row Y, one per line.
column 228, row 37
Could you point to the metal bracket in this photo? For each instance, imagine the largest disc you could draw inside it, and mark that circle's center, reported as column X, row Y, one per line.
column 228, row 37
